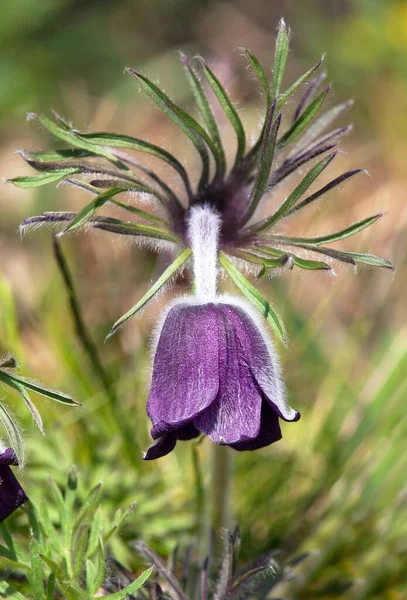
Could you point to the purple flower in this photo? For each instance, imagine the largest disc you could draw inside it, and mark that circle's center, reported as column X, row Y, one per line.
column 215, row 372
column 11, row 493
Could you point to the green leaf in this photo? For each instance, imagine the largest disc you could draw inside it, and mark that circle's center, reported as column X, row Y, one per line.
column 43, row 179
column 79, row 546
column 303, row 120
column 57, row 155
column 258, row 69
column 51, row 587
column 318, row 127
column 135, row 229
column 168, row 273
column 293, row 88
column 132, row 587
column 43, row 390
column 185, row 122
column 35, row 575
column 280, row 58
column 12, row 434
column 229, row 109
column 207, row 115
column 336, row 236
column 87, row 212
column 371, row 259
column 93, row 189
column 20, row 389
column 255, row 297
column 61, row 132
column 89, row 507
column 132, row 143
column 266, row 263
column 336, row 254
column 311, row 265
column 265, row 160
column 289, row 202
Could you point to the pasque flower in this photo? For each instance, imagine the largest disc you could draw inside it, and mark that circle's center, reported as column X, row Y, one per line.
column 214, row 370
column 12, row 494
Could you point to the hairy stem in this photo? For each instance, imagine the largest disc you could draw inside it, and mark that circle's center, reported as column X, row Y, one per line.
column 204, row 229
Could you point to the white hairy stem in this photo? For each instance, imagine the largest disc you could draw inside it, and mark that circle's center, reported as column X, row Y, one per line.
column 204, row 230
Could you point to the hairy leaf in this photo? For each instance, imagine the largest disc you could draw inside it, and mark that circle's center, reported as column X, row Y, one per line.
column 255, row 297
column 168, row 273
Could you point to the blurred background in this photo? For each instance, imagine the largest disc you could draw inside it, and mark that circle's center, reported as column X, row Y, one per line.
column 336, row 485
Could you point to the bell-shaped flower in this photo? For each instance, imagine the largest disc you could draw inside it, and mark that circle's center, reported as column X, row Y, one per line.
column 216, row 373
column 12, row 494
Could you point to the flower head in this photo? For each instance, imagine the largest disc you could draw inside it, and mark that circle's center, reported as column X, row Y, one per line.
column 12, row 494
column 215, row 372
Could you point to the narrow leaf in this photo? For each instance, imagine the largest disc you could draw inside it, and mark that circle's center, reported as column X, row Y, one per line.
column 303, row 121
column 293, row 88
column 92, row 187
column 132, row 143
column 168, row 273
column 329, row 186
column 228, row 108
column 311, row 265
column 262, row 77
column 207, row 115
column 371, row 259
column 319, row 126
column 280, row 58
column 265, row 161
column 12, row 434
column 255, row 297
column 88, row 211
column 61, row 132
column 338, row 235
column 289, row 202
column 307, row 95
column 44, row 390
column 20, row 389
column 43, row 179
column 187, row 124
column 132, row 587
column 336, row 254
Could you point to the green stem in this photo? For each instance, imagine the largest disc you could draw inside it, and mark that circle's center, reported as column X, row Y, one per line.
column 219, row 502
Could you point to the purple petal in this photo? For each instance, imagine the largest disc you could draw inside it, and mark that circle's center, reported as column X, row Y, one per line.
column 235, row 414
column 166, row 443
column 11, row 493
column 269, row 431
column 262, row 360
column 185, row 377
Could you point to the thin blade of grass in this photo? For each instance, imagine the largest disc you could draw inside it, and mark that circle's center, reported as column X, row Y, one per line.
column 293, row 88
